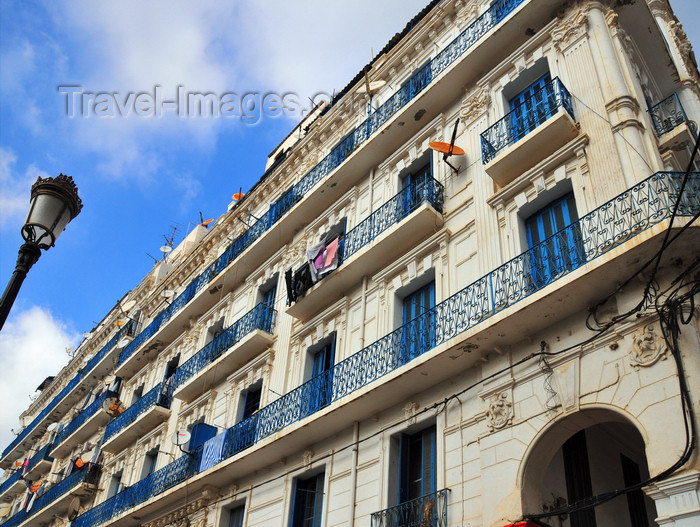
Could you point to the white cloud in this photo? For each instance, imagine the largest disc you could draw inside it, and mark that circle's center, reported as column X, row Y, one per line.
column 32, row 347
column 15, row 189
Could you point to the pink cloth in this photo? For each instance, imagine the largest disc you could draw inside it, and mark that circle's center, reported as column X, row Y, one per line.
column 331, row 254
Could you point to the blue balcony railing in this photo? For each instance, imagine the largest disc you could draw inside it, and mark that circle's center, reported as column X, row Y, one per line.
column 525, row 118
column 338, row 154
column 89, row 474
column 260, row 317
column 70, row 386
column 423, row 190
column 602, row 229
column 427, row 511
column 43, row 453
column 667, row 115
column 159, row 395
column 81, row 418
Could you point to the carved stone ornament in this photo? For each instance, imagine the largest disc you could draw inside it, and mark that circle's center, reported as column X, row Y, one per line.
column 569, row 29
column 647, row 348
column 410, row 409
column 500, row 412
column 181, row 516
column 475, row 104
column 307, row 456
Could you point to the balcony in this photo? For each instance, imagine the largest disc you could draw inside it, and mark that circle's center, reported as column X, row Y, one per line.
column 82, row 427
column 615, row 237
column 529, row 133
column 139, row 418
column 427, row 511
column 12, row 486
column 237, row 344
column 399, row 224
column 671, row 124
column 340, row 169
column 64, row 400
column 55, row 500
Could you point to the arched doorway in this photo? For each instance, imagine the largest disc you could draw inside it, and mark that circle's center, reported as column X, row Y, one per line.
column 585, row 454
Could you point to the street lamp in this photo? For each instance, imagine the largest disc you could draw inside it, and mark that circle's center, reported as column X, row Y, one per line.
column 54, row 203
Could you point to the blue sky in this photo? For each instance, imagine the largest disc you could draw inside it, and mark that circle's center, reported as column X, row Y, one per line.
column 139, row 176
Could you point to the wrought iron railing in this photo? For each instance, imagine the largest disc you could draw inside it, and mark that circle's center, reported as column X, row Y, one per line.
column 338, row 154
column 89, row 474
column 81, row 418
column 159, row 395
column 260, row 317
column 69, row 387
column 599, row 231
column 152, row 485
column 424, row 190
column 667, row 115
column 43, row 453
column 427, row 511
column 525, row 118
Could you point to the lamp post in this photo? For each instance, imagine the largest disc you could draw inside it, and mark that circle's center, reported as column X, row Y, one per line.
column 54, row 203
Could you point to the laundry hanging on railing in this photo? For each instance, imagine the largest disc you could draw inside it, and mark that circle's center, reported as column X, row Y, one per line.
column 321, row 259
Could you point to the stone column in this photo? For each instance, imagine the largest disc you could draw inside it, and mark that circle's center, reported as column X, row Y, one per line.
column 622, row 108
column 677, row 500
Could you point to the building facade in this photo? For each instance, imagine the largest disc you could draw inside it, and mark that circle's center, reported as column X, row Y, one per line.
column 377, row 335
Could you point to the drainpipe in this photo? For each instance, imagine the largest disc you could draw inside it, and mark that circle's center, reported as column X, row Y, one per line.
column 353, row 471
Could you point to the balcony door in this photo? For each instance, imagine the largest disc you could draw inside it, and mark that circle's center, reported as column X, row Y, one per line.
column 418, row 334
column 555, row 240
column 531, row 106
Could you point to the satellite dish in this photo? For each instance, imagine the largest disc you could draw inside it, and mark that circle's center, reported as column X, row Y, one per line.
column 127, row 306
column 371, row 87
column 73, row 508
column 123, row 343
column 5, row 509
column 87, row 335
column 167, row 293
column 206, row 223
column 444, row 148
column 181, row 437
column 120, row 323
column 87, row 358
column 113, row 406
column 52, row 427
column 110, row 378
column 165, row 249
column 87, row 456
column 238, row 196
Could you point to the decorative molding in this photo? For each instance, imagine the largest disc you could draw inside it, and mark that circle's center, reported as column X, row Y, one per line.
column 500, row 412
column 569, row 29
column 647, row 348
column 474, row 105
column 410, row 409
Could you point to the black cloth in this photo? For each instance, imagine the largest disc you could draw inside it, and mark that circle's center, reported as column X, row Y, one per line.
column 291, row 297
column 303, row 281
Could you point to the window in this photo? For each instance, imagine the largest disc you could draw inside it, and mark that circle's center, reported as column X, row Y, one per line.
column 532, row 106
column 251, row 402
column 414, row 187
column 555, row 240
column 418, row 321
column 150, row 460
column 115, row 484
column 235, row 517
column 308, row 501
column 268, row 296
column 416, row 464
column 138, row 393
column 318, row 391
column 215, row 330
column 577, row 473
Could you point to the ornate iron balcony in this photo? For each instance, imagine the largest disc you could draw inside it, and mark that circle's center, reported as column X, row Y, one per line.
column 524, row 119
column 260, row 317
column 159, row 395
column 9, row 482
column 81, row 418
column 427, row 511
column 599, row 231
column 69, row 387
column 338, row 154
column 667, row 115
column 43, row 453
column 89, row 474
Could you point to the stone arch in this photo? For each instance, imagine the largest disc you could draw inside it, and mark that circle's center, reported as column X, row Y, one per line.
column 540, row 470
